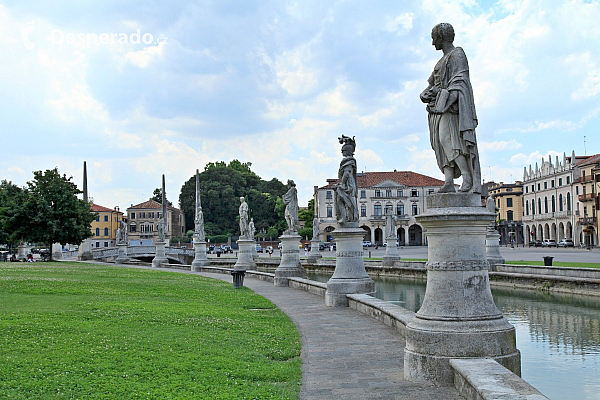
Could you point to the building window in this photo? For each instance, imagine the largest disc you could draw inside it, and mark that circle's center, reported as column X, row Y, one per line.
column 532, row 207
column 97, row 244
column 132, row 227
column 105, row 231
column 98, row 218
column 329, row 212
column 559, row 181
column 431, row 191
column 415, row 209
column 568, row 201
column 539, row 187
column 105, row 244
column 545, row 185
column 377, row 209
column 552, row 183
column 539, row 205
column 132, row 216
column 532, row 188
column 388, row 208
column 363, row 210
column 509, row 202
column 377, row 193
column 98, row 232
column 363, row 194
column 545, row 204
column 151, row 215
column 328, row 195
column 106, row 218
column 553, row 204
column 526, row 208
column 414, row 193
column 499, row 203
column 526, row 189
column 142, row 215
column 568, row 180
column 400, row 209
column 576, row 189
column 509, row 215
column 400, row 194
column 560, row 202
column 388, row 192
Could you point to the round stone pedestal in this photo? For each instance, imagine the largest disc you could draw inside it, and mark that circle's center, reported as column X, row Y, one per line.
column 122, row 255
column 458, row 318
column 200, row 259
column 391, row 252
column 160, row 257
column 85, row 250
column 349, row 276
column 22, row 251
column 245, row 255
column 290, row 260
column 492, row 248
column 314, row 256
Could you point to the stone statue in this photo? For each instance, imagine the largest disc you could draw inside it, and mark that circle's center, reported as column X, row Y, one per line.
column 199, row 224
column 251, row 228
column 290, row 199
column 243, row 211
column 315, row 228
column 490, row 204
column 451, row 114
column 161, row 229
column 390, row 225
column 346, row 208
column 122, row 232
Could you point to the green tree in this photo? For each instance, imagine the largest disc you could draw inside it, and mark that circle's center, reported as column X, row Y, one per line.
column 10, row 196
column 157, row 196
column 221, row 186
column 50, row 211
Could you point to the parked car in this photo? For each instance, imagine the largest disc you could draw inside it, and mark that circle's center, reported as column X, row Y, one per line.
column 226, row 249
column 535, row 243
column 211, row 248
column 259, row 248
column 367, row 243
column 566, row 243
column 549, row 243
column 321, row 246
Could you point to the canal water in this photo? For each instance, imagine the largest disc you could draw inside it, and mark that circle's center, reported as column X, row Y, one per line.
column 558, row 335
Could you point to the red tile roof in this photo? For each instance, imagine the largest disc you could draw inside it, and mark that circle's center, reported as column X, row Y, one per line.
column 151, row 204
column 589, row 160
column 99, row 208
column 406, row 178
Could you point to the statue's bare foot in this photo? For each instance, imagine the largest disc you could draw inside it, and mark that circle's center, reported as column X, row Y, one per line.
column 447, row 188
column 466, row 185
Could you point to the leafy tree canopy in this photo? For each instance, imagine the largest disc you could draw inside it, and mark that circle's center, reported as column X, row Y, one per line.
column 157, row 196
column 221, row 186
column 10, row 196
column 50, row 212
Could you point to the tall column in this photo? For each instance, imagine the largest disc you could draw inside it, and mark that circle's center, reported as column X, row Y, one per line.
column 160, row 257
column 458, row 318
column 290, row 260
column 85, row 247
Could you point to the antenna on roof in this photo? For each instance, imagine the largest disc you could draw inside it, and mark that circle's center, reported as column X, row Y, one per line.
column 584, row 149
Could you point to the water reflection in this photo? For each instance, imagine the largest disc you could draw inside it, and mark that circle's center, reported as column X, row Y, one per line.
column 558, row 335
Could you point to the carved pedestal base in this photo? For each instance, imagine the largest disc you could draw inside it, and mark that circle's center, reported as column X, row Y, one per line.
column 245, row 255
column 458, row 318
column 122, row 257
column 85, row 250
column 314, row 256
column 290, row 260
column 22, row 251
column 200, row 259
column 161, row 256
column 349, row 275
column 391, row 252
column 492, row 248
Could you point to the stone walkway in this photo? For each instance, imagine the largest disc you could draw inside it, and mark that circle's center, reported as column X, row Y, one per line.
column 345, row 354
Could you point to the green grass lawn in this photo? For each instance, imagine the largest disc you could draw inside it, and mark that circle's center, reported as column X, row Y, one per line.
column 557, row 264
column 84, row 331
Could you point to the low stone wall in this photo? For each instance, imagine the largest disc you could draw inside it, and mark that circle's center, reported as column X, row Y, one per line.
column 390, row 314
column 307, row 285
column 485, row 379
column 587, row 275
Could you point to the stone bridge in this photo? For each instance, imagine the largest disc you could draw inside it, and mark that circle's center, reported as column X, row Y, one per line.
column 145, row 253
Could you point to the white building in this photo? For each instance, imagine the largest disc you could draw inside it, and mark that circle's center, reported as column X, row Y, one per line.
column 551, row 202
column 402, row 192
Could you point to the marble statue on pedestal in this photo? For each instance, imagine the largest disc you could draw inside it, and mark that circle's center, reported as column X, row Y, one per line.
column 451, row 114
column 243, row 211
column 346, row 189
column 199, row 223
column 315, row 228
column 390, row 225
column 161, row 229
column 251, row 229
column 290, row 199
column 122, row 232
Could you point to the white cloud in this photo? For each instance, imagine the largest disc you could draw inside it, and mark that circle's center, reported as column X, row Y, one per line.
column 144, row 57
column 404, row 21
column 499, row 145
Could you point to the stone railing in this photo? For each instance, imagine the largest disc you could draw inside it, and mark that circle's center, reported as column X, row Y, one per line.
column 105, row 253
column 134, row 250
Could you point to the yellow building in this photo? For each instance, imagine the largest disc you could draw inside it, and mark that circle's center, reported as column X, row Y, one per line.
column 587, row 187
column 105, row 226
column 509, row 200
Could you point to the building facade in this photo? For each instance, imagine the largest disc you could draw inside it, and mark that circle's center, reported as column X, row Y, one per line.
column 143, row 223
column 551, row 206
column 401, row 192
column 104, row 227
column 509, row 200
column 587, row 187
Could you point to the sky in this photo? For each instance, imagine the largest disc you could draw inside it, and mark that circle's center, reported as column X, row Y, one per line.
column 139, row 89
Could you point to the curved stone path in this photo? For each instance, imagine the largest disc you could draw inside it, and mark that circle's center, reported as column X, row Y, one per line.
column 345, row 354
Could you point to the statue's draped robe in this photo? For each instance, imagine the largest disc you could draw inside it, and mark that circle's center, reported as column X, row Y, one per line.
column 290, row 199
column 199, row 222
column 243, row 210
column 346, row 208
column 453, row 132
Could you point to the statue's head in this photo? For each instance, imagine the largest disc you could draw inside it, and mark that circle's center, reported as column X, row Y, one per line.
column 441, row 33
column 242, row 199
column 291, row 183
column 348, row 145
